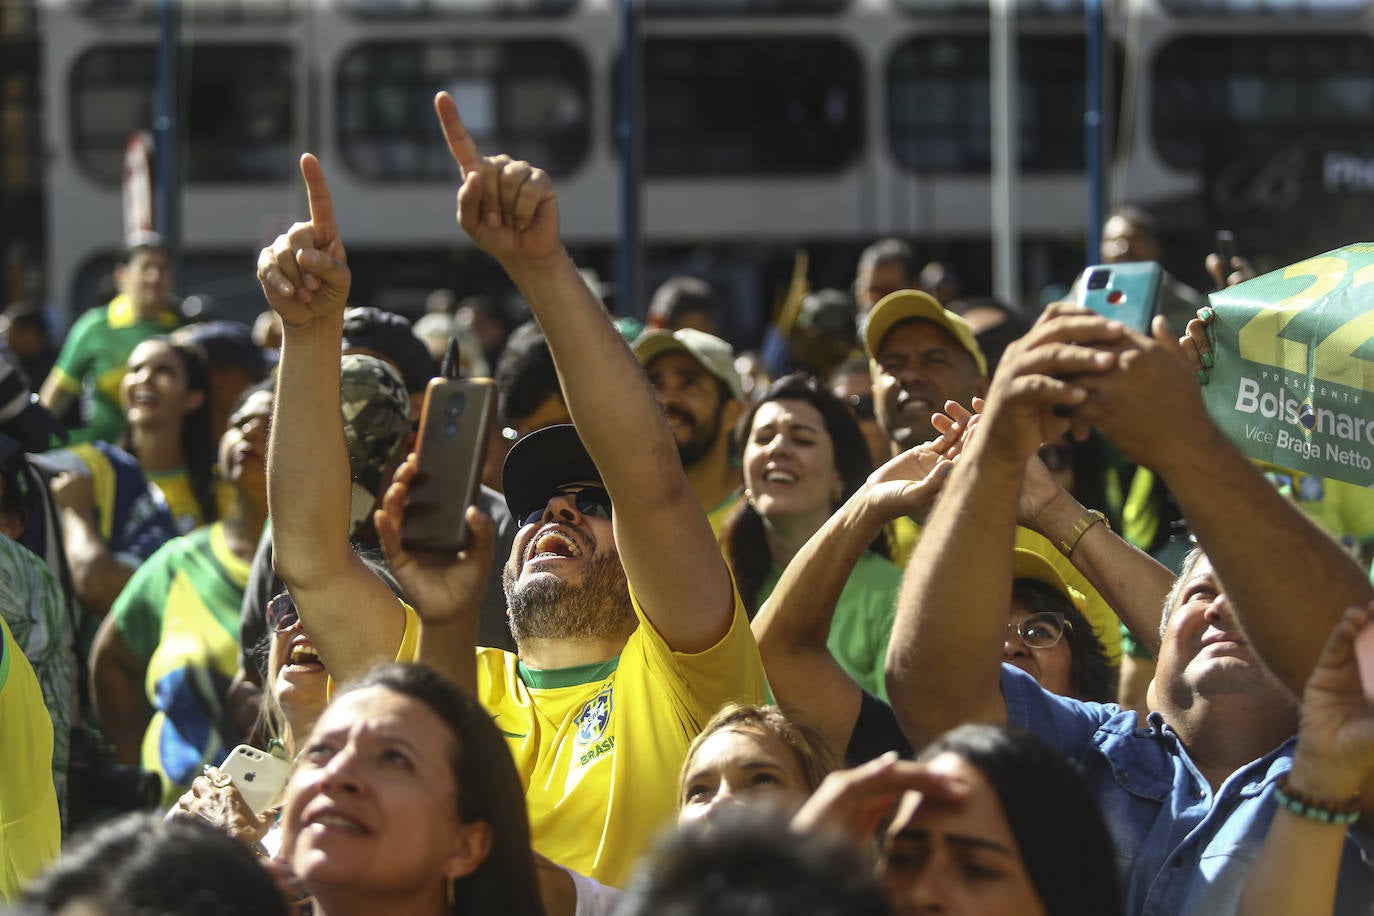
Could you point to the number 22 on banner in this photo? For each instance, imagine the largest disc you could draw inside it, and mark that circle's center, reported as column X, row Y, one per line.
column 1333, row 359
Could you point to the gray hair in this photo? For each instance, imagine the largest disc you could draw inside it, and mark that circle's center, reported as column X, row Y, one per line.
column 1171, row 601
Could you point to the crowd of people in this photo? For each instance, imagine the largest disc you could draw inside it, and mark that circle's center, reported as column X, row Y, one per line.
column 848, row 628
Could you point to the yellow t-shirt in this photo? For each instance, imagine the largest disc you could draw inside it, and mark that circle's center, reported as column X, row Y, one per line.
column 30, row 830
column 904, row 533
column 599, row 747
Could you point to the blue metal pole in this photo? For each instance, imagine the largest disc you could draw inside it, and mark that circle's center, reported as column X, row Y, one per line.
column 167, row 131
column 1093, row 129
column 628, row 142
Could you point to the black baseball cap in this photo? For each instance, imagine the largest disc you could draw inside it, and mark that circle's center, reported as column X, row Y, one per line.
column 542, row 462
column 21, row 416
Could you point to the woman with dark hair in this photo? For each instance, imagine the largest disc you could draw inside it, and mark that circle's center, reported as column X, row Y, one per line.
column 1026, row 832
column 140, row 866
column 1050, row 638
column 988, row 822
column 166, row 398
column 803, row 457
column 169, row 644
column 405, row 799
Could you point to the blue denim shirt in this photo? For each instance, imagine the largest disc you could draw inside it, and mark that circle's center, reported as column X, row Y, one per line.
column 1181, row 849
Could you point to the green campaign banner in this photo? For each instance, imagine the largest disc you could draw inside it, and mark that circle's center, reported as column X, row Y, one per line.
column 1293, row 382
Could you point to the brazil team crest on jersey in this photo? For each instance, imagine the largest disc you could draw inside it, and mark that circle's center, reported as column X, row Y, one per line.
column 595, row 715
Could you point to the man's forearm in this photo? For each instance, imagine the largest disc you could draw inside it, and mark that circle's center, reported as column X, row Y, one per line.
column 308, row 478
column 1288, row 581
column 943, row 658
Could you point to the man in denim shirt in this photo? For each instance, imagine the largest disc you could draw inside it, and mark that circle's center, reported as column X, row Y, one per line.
column 1188, row 798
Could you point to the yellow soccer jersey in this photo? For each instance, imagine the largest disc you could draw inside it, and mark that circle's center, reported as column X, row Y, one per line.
column 30, row 831
column 599, row 747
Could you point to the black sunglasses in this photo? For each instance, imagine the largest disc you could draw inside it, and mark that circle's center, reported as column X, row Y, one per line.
column 281, row 613
column 590, row 501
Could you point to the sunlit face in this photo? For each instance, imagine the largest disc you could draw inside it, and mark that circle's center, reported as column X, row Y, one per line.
column 372, row 806
column 243, row 446
column 155, row 390
column 145, row 280
column 563, row 577
column 874, row 281
column 1123, row 240
column 1052, row 667
column 690, row 396
column 789, row 464
column 297, row 677
column 737, row 766
column 918, row 366
column 956, row 858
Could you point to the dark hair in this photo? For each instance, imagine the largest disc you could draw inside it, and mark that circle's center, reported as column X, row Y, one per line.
column 677, row 296
column 489, row 789
column 141, row 865
column 392, row 337
column 1054, row 818
column 1136, row 216
column 743, row 531
column 1092, row 677
column 525, row 373
column 226, row 344
column 199, row 444
column 747, row 862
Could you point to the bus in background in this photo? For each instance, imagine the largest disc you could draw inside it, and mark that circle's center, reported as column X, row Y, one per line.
column 768, row 126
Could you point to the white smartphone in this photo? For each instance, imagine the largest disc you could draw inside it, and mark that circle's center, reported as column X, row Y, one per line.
column 1364, row 659
column 258, row 775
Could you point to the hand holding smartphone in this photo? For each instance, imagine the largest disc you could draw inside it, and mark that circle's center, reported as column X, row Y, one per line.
column 454, row 424
column 257, row 775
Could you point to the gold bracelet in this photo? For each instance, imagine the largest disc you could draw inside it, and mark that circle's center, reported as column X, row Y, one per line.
column 1080, row 527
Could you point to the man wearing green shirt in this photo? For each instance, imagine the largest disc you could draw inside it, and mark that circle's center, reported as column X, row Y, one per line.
column 93, row 357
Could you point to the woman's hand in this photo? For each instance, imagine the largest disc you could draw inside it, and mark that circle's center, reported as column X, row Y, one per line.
column 215, row 799
column 855, row 801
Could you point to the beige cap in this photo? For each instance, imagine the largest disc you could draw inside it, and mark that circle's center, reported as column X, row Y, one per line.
column 715, row 355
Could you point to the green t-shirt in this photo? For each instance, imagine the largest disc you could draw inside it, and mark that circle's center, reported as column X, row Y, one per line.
column 93, row 359
column 180, row 614
column 862, row 625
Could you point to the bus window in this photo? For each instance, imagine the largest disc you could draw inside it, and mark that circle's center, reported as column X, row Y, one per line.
column 980, row 7
column 421, row 9
column 750, row 106
column 1252, row 8
column 202, row 11
column 238, row 115
column 938, row 103
column 1216, row 97
column 528, row 97
column 742, row 7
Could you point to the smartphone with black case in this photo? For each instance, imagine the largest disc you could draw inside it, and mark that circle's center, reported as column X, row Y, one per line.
column 451, row 445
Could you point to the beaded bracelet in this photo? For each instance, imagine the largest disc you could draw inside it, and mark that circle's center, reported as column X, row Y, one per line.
column 1341, row 814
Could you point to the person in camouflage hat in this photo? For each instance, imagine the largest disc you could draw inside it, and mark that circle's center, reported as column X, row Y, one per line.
column 376, row 415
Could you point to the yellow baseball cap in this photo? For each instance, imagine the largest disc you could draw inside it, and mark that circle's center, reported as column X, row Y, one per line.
column 914, row 305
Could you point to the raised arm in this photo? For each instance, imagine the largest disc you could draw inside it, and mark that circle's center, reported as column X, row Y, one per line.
column 352, row 617
column 1298, row 865
column 1288, row 581
column 794, row 623
column 510, row 210
column 446, row 588
column 946, row 648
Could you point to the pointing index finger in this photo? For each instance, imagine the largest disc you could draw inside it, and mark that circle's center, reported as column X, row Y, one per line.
column 460, row 142
column 321, row 204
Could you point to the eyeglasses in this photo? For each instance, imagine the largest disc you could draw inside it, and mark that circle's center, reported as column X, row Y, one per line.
column 281, row 613
column 1040, row 631
column 861, row 405
column 590, row 501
